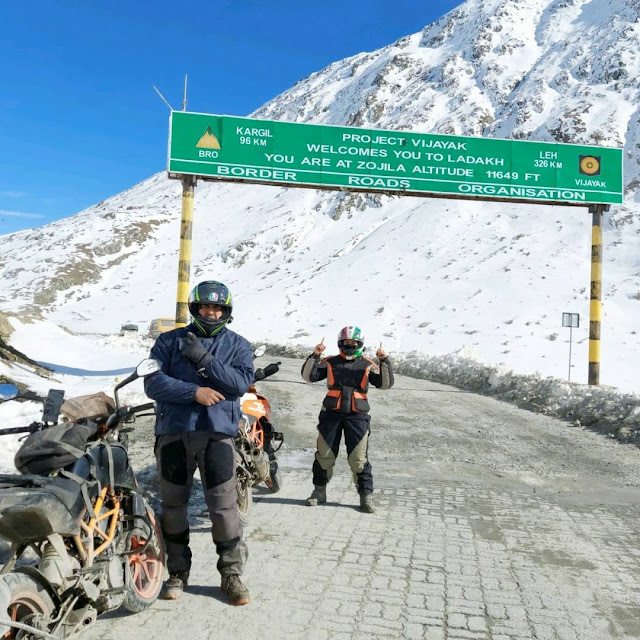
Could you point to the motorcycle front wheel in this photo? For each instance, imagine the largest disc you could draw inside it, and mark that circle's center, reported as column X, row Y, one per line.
column 144, row 567
column 23, row 599
column 245, row 498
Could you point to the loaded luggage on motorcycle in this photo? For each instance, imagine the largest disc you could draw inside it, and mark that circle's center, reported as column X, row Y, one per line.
column 98, row 542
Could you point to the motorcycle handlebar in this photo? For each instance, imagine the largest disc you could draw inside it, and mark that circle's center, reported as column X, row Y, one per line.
column 32, row 428
column 269, row 370
column 124, row 413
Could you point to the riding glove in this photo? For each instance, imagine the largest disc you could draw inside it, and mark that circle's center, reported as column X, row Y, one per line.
column 193, row 350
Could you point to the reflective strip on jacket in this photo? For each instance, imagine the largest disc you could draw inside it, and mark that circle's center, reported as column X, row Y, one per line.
column 174, row 386
column 348, row 380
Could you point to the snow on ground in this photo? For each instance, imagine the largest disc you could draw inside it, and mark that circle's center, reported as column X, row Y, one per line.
column 84, row 364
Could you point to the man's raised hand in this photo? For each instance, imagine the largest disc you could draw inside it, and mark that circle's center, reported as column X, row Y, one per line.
column 320, row 347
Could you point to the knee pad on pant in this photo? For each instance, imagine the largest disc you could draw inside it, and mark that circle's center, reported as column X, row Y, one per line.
column 181, row 538
column 219, row 463
column 173, row 463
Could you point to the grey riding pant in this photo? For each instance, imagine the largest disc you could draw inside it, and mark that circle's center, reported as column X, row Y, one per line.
column 177, row 456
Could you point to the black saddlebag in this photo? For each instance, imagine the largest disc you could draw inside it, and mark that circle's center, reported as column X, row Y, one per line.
column 54, row 448
column 33, row 507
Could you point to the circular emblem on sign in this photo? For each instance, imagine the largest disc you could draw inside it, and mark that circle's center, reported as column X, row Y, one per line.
column 589, row 165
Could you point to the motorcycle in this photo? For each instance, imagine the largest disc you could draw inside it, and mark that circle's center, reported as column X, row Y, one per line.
column 256, row 443
column 84, row 540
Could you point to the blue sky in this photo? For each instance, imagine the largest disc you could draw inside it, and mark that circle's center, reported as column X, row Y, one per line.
column 79, row 119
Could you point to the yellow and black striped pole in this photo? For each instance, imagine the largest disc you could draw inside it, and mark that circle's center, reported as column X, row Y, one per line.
column 184, row 260
column 595, row 308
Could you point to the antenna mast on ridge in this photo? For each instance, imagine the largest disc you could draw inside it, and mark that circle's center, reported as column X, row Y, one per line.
column 184, row 95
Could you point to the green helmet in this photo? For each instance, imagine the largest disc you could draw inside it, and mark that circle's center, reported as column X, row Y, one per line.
column 210, row 292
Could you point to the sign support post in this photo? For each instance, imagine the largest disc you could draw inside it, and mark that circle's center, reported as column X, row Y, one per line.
column 184, row 260
column 595, row 306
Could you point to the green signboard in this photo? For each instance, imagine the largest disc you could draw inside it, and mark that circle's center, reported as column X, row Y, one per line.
column 307, row 155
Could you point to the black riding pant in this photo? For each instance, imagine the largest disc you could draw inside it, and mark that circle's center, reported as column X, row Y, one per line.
column 355, row 426
column 177, row 456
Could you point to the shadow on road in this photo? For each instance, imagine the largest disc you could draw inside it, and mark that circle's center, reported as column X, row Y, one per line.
column 206, row 590
column 297, row 502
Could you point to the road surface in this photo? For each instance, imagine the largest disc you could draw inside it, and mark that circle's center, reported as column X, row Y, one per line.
column 492, row 523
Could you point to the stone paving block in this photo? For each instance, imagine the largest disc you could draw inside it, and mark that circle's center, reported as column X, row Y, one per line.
column 338, row 624
column 496, row 611
column 415, row 601
column 434, row 633
column 413, row 631
column 392, row 612
column 515, row 630
column 462, row 634
column 465, row 606
column 377, row 631
column 425, row 619
column 458, row 620
column 435, row 603
column 477, row 623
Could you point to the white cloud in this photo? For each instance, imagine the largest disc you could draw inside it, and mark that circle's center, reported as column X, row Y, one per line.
column 13, row 194
column 20, row 214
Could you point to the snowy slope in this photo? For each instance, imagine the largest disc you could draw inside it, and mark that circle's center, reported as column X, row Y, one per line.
column 424, row 275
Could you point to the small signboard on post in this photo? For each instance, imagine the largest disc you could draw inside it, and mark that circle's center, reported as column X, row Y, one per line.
column 333, row 157
column 571, row 320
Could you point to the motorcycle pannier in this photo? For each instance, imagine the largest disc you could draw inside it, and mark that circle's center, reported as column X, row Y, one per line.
column 52, row 449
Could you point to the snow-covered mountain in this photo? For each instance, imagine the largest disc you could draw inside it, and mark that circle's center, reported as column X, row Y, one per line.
column 418, row 274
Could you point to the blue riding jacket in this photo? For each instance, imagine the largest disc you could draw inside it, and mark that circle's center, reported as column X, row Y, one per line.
column 174, row 387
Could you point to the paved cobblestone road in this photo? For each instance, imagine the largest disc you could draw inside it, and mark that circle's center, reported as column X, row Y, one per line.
column 492, row 523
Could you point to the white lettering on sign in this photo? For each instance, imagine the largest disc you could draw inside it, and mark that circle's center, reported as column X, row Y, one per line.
column 522, row 192
column 408, row 155
column 389, row 183
column 440, row 144
column 251, row 131
column 347, row 151
column 443, row 171
column 586, row 182
column 206, row 153
column 257, row 174
column 378, row 166
column 320, row 162
column 277, row 157
column 367, row 139
column 495, row 162
column 549, row 155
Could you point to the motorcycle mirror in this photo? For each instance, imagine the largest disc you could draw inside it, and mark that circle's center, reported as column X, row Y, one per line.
column 147, row 367
column 260, row 351
column 8, row 392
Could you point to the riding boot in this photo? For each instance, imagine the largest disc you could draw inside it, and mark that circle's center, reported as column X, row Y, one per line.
column 366, row 503
column 318, row 496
